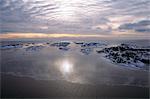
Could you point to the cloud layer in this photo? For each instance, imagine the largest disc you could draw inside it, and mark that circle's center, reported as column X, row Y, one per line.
column 74, row 16
column 141, row 26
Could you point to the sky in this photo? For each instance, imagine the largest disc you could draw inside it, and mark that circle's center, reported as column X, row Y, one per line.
column 74, row 18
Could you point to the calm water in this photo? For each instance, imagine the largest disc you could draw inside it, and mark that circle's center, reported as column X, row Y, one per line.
column 51, row 63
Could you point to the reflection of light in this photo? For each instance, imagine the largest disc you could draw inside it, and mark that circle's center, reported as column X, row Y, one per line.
column 68, row 72
column 67, row 67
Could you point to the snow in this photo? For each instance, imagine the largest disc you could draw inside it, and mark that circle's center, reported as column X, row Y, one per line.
column 34, row 48
column 128, row 55
column 10, row 46
column 61, row 44
column 86, row 51
column 123, row 54
column 64, row 48
column 90, row 44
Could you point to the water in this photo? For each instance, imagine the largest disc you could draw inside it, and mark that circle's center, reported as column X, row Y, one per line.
column 72, row 65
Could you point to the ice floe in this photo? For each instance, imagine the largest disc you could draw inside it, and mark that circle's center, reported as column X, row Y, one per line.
column 34, row 48
column 61, row 44
column 86, row 51
column 11, row 46
column 90, row 44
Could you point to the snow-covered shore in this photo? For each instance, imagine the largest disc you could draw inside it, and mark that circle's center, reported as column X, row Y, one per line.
column 128, row 55
column 124, row 54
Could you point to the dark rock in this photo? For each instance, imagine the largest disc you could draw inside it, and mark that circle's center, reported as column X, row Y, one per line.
column 91, row 44
column 101, row 51
column 64, row 48
column 79, row 43
column 146, row 61
column 127, row 54
column 61, row 44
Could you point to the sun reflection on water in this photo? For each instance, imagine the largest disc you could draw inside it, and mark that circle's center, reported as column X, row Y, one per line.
column 67, row 67
column 68, row 72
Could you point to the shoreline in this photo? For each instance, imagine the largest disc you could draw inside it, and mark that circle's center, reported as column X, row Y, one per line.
column 90, row 84
column 25, row 87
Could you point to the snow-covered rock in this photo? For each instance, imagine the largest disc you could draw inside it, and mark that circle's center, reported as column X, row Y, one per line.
column 86, row 51
column 64, row 48
column 11, row 46
column 90, row 44
column 34, row 48
column 79, row 43
column 61, row 44
column 128, row 55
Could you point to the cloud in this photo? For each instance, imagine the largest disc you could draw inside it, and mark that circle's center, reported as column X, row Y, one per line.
column 140, row 26
column 73, row 16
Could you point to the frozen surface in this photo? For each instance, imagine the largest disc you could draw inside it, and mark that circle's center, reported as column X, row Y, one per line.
column 128, row 55
column 78, row 62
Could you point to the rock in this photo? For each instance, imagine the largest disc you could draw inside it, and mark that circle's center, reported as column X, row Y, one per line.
column 145, row 61
column 92, row 44
column 101, row 51
column 127, row 54
column 79, row 43
column 34, row 48
column 11, row 46
column 86, row 51
column 61, row 44
column 64, row 48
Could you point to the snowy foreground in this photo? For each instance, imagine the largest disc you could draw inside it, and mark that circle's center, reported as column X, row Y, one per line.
column 127, row 55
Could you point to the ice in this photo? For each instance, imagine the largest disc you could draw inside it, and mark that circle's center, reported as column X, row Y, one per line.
column 128, row 55
column 64, row 48
column 34, row 48
column 90, row 44
column 43, row 60
column 88, row 47
column 11, row 46
column 86, row 51
column 123, row 54
column 61, row 44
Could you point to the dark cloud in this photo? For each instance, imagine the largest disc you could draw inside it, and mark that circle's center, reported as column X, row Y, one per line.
column 141, row 26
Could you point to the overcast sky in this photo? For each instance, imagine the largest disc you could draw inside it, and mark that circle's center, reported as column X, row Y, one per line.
column 84, row 17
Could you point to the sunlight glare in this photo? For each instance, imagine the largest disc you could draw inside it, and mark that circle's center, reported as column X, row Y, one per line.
column 67, row 67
